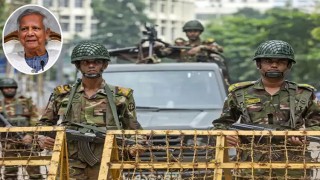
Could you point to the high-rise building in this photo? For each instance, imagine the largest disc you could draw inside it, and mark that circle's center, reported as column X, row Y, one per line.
column 75, row 17
column 170, row 16
column 209, row 9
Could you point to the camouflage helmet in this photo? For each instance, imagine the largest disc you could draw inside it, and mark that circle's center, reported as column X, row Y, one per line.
column 275, row 49
column 193, row 25
column 88, row 51
column 8, row 83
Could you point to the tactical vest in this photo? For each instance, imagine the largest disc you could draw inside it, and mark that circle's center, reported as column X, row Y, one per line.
column 72, row 100
column 297, row 106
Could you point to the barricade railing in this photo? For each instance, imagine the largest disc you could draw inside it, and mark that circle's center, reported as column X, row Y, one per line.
column 204, row 154
column 31, row 159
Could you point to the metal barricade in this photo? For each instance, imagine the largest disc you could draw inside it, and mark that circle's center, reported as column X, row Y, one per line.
column 28, row 157
column 203, row 154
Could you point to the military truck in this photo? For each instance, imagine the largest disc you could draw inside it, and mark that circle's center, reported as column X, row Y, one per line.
column 170, row 96
column 173, row 96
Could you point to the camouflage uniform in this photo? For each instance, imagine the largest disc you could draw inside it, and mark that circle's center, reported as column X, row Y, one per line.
column 20, row 111
column 92, row 110
column 251, row 103
column 95, row 111
column 206, row 54
column 260, row 104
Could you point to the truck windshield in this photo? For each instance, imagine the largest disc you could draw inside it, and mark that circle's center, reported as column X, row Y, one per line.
column 171, row 89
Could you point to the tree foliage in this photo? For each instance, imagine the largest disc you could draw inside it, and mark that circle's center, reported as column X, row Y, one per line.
column 242, row 33
column 119, row 21
column 3, row 15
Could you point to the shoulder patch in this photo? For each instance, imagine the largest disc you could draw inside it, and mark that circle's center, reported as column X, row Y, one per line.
column 62, row 89
column 208, row 41
column 307, row 86
column 240, row 85
column 123, row 91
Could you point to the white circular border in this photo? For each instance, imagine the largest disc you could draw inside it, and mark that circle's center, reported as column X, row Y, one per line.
column 41, row 9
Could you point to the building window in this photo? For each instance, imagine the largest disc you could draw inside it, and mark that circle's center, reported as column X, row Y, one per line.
column 152, row 6
column 231, row 0
column 47, row 3
column 79, row 3
column 163, row 7
column 244, row 0
column 163, row 30
column 64, row 18
column 263, row 0
column 65, row 27
column 63, row 3
column 173, row 32
column 80, row 18
column 79, row 27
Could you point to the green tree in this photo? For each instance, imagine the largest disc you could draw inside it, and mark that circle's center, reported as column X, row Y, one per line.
column 119, row 21
column 3, row 15
column 241, row 34
column 6, row 9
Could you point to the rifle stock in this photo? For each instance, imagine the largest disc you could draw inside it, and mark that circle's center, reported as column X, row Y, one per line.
column 84, row 139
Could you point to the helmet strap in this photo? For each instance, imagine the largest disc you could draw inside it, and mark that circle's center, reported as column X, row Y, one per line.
column 258, row 63
column 274, row 74
column 92, row 76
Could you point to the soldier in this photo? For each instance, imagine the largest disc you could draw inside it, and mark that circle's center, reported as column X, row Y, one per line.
column 90, row 101
column 200, row 49
column 20, row 111
column 272, row 100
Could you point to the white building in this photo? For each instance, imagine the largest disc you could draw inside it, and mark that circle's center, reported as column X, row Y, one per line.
column 75, row 17
column 170, row 16
column 208, row 9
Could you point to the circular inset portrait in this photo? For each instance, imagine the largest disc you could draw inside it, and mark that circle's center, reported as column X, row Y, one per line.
column 32, row 39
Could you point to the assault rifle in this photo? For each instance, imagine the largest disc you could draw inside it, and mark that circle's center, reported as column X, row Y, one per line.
column 266, row 127
column 84, row 136
column 8, row 124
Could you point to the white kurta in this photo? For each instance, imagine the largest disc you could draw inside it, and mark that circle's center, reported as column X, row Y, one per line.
column 15, row 55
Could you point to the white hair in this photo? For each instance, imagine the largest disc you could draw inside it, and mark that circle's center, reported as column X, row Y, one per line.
column 32, row 11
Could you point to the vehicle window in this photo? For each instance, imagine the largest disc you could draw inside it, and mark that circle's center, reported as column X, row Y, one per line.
column 171, row 89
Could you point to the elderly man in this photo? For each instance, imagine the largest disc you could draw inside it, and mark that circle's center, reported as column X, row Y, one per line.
column 33, row 34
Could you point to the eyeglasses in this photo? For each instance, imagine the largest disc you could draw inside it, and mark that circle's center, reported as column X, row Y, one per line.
column 277, row 61
column 88, row 62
